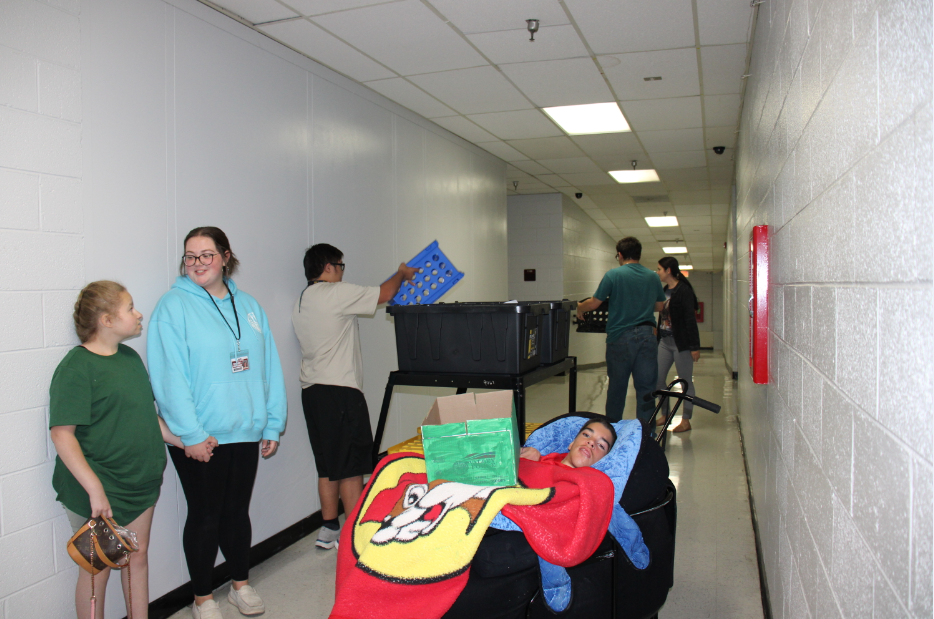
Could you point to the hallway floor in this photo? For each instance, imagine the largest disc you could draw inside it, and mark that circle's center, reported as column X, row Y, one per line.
column 716, row 574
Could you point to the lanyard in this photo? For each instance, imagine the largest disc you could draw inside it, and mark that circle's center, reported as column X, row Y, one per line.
column 237, row 318
column 311, row 282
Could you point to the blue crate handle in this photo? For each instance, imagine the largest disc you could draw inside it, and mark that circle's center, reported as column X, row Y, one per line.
column 435, row 277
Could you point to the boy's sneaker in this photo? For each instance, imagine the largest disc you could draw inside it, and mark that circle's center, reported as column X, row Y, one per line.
column 246, row 600
column 327, row 538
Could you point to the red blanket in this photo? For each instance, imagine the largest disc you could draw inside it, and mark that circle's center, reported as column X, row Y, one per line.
column 406, row 548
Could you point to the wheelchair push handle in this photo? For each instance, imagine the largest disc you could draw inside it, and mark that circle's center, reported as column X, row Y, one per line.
column 714, row 408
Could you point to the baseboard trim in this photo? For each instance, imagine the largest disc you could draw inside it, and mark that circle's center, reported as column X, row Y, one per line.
column 763, row 582
column 179, row 598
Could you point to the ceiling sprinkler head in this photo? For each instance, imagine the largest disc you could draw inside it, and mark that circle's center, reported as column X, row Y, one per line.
column 515, row 185
column 533, row 27
column 634, row 163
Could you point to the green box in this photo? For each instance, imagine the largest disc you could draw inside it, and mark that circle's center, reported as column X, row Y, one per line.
column 473, row 439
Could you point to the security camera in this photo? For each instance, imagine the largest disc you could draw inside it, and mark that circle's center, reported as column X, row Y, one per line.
column 719, row 149
column 578, row 195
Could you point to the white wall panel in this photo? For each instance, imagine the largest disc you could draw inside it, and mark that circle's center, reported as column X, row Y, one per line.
column 188, row 119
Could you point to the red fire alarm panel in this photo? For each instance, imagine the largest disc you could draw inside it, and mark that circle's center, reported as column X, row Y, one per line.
column 759, row 304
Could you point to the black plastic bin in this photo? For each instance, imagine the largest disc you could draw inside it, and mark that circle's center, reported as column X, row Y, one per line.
column 481, row 338
column 556, row 331
column 595, row 320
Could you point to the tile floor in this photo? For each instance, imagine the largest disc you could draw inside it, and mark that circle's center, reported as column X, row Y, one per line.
column 716, row 574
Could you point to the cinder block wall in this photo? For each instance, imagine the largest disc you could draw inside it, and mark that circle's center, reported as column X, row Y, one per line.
column 835, row 155
column 41, row 236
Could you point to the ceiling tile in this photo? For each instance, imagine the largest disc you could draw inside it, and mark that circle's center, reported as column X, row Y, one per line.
column 553, row 179
column 464, row 128
column 532, row 167
column 694, row 210
column 723, row 21
column 683, row 174
column 616, row 201
column 676, row 67
column 721, row 136
column 723, row 173
column 615, row 189
column 654, row 190
column 547, row 148
column 406, row 94
column 551, row 43
column 583, row 179
column 623, row 161
column 678, row 185
column 723, row 67
column 570, row 164
column 492, row 15
column 672, row 140
column 257, row 11
column 686, row 159
column 695, row 221
column 317, row 7
column 517, row 125
column 473, row 91
column 720, row 209
column 559, row 82
column 616, row 26
column 721, row 110
column 660, row 114
column 326, row 49
column 690, row 197
column 502, row 150
column 608, row 143
column 406, row 36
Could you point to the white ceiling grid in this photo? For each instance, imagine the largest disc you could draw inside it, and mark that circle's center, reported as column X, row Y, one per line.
column 469, row 66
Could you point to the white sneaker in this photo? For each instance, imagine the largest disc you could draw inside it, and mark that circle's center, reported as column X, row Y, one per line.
column 246, row 600
column 208, row 610
column 327, row 538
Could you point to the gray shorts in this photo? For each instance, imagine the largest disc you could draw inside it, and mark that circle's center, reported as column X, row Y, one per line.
column 75, row 520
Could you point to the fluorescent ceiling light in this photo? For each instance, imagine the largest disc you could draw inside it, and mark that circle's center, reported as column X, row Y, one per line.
column 662, row 222
column 675, row 250
column 686, row 267
column 588, row 119
column 635, row 176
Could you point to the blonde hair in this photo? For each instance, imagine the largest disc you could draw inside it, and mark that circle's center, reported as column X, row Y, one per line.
column 95, row 300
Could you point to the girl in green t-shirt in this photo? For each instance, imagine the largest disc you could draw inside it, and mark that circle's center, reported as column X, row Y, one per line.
column 108, row 437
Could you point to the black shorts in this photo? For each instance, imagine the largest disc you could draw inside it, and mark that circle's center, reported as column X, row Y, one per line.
column 339, row 429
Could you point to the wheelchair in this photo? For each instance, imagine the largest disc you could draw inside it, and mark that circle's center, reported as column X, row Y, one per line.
column 504, row 580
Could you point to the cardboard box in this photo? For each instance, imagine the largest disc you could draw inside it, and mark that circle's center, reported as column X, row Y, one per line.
column 473, row 439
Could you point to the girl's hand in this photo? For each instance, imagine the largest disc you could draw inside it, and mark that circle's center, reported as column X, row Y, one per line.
column 530, row 453
column 202, row 451
column 268, row 448
column 695, row 355
column 100, row 506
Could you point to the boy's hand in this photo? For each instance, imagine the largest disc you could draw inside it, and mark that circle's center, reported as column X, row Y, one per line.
column 408, row 273
column 530, row 453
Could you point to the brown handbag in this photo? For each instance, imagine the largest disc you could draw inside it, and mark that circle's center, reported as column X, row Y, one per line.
column 102, row 543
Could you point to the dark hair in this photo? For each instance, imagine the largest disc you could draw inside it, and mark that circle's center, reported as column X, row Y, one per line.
column 318, row 257
column 629, row 248
column 220, row 242
column 603, row 421
column 95, row 300
column 671, row 263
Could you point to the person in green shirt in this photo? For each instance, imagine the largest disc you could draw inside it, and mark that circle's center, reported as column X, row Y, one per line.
column 635, row 294
column 108, row 437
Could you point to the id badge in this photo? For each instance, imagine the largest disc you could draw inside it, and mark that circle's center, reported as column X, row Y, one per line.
column 240, row 361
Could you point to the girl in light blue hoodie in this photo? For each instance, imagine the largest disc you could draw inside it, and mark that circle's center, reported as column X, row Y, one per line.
column 215, row 372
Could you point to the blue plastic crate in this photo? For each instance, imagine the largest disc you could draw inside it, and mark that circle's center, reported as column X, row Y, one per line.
column 436, row 275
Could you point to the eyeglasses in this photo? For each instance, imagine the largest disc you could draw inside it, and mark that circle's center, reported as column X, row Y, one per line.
column 205, row 259
column 339, row 264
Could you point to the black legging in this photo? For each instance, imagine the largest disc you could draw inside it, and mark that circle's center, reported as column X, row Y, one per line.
column 218, row 494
